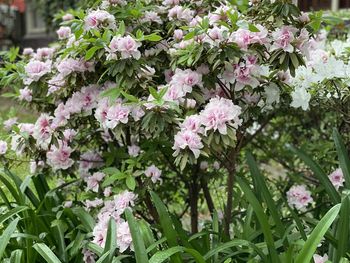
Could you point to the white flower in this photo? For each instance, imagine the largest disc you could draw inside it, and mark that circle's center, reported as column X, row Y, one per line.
column 300, row 98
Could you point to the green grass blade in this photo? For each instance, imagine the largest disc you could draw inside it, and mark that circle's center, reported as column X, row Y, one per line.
column 248, row 193
column 137, row 239
column 166, row 224
column 6, row 235
column 86, row 219
column 343, row 157
column 12, row 212
column 310, row 246
column 16, row 256
column 165, row 255
column 111, row 240
column 320, row 174
column 254, row 170
column 46, row 253
column 342, row 232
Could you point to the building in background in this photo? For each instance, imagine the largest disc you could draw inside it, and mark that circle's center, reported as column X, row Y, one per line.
column 22, row 25
column 309, row 5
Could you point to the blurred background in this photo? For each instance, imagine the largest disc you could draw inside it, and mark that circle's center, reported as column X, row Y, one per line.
column 29, row 23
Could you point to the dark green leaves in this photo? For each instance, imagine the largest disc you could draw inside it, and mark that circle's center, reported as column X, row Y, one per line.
column 343, row 157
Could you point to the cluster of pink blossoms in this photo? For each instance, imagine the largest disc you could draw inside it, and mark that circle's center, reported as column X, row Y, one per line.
column 337, row 178
column 218, row 115
column 126, row 46
column 99, row 19
column 299, row 197
column 112, row 210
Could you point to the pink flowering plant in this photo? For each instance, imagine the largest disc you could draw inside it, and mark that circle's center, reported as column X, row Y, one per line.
column 143, row 101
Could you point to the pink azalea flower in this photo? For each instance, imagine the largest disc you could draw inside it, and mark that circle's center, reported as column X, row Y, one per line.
column 9, row 123
column 283, row 38
column 219, row 113
column 43, row 131
column 192, row 123
column 117, row 114
column 25, row 94
column 99, row 18
column 69, row 134
column 28, row 51
column 124, row 240
column 134, row 150
column 35, row 69
column 3, row 147
column 319, row 259
column 67, row 17
column 127, row 47
column 299, row 197
column 154, row 173
column 63, row 32
column 88, row 256
column 337, row 178
column 59, row 157
column 190, row 139
column 94, row 180
column 44, row 53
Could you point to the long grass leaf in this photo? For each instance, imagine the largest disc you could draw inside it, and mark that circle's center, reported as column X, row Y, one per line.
column 310, row 246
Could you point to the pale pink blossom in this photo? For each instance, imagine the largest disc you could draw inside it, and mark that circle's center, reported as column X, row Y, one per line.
column 107, row 191
column 299, row 197
column 63, row 32
column 220, row 113
column 117, row 114
column 154, row 173
column 180, row 13
column 88, row 256
column 9, row 123
column 69, row 134
column 68, row 204
column 283, row 37
column 304, row 18
column 43, row 131
column 319, row 259
column 93, row 203
column 3, row 147
column 124, row 240
column 123, row 201
column 67, row 17
column 25, row 94
column 337, row 178
column 94, row 180
column 192, row 123
column 178, row 34
column 59, row 156
column 28, row 51
column 35, row 69
column 134, row 150
column 127, row 46
column 216, row 165
column 242, row 74
column 44, row 53
column 243, row 37
column 187, row 139
column 151, row 16
column 186, row 80
column 62, row 115
column 99, row 19
column 137, row 112
column 26, row 128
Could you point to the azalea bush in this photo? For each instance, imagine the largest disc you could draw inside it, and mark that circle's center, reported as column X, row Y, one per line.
column 148, row 104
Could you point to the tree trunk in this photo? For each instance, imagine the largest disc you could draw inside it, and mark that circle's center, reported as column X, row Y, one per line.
column 207, row 196
column 230, row 181
column 194, row 195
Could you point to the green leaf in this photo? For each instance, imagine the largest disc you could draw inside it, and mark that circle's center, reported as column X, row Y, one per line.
column 130, row 182
column 343, row 231
column 6, row 235
column 343, row 157
column 261, row 187
column 139, row 246
column 111, row 239
column 153, row 37
column 129, row 97
column 262, row 218
column 165, row 255
column 320, row 174
column 166, row 224
column 16, row 256
column 12, row 212
column 46, row 253
column 310, row 246
column 91, row 52
column 85, row 218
